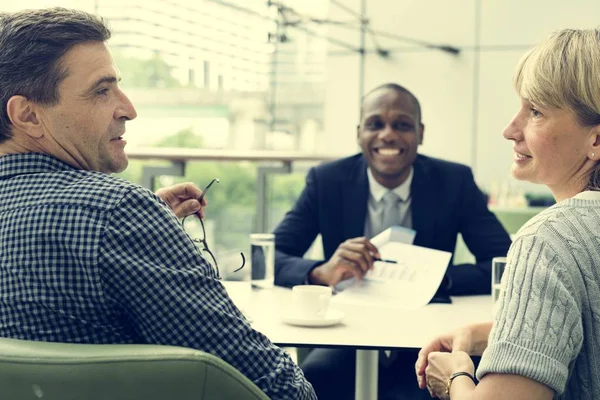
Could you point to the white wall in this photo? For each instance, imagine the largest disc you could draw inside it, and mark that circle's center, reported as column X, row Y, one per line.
column 466, row 99
column 342, row 94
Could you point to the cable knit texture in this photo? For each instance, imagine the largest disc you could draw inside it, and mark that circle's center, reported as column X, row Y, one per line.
column 547, row 327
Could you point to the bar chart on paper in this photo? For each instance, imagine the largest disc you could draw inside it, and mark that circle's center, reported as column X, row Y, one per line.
column 393, row 272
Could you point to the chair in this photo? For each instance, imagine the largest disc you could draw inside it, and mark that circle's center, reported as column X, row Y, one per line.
column 63, row 371
column 514, row 218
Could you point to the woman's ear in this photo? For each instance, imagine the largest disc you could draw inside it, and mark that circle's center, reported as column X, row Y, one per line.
column 594, row 150
column 23, row 115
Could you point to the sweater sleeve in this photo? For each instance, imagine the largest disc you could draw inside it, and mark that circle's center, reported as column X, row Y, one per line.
column 538, row 330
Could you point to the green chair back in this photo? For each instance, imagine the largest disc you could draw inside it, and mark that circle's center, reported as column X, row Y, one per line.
column 514, row 218
column 62, row 371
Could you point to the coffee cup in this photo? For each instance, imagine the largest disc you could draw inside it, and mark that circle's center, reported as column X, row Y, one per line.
column 311, row 301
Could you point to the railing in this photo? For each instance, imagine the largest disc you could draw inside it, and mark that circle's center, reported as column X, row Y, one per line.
column 179, row 157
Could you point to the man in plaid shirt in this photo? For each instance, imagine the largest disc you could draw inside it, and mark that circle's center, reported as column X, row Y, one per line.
column 86, row 257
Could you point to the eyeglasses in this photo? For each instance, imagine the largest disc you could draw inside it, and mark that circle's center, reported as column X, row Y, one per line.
column 198, row 234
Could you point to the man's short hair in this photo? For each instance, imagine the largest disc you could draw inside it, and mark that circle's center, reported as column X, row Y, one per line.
column 32, row 43
column 398, row 89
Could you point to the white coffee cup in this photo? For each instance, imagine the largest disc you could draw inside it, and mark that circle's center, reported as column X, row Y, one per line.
column 311, row 301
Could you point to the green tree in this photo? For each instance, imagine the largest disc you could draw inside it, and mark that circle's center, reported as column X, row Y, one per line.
column 145, row 73
column 185, row 139
column 232, row 202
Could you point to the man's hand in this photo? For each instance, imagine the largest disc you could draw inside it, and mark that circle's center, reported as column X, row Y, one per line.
column 183, row 199
column 354, row 257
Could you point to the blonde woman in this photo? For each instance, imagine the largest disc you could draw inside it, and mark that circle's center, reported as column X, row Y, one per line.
column 545, row 340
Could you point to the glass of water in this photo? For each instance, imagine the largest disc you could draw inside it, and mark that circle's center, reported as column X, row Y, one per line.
column 262, row 256
column 498, row 266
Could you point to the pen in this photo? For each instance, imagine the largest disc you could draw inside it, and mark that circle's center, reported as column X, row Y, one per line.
column 385, row 261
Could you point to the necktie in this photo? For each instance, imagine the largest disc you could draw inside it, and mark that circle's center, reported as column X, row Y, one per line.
column 391, row 212
column 389, row 217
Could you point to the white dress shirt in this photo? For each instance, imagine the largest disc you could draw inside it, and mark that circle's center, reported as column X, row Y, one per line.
column 375, row 203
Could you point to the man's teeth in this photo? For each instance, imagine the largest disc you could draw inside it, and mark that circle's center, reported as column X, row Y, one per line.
column 388, row 152
column 519, row 156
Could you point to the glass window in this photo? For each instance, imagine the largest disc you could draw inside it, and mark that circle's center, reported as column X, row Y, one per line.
column 218, row 75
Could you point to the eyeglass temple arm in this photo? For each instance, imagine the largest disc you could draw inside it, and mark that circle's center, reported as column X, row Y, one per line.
column 240, row 268
column 206, row 189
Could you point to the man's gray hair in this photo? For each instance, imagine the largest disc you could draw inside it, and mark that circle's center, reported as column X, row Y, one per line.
column 32, row 44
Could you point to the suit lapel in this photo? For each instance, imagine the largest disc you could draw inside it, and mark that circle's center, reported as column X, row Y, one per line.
column 424, row 209
column 355, row 194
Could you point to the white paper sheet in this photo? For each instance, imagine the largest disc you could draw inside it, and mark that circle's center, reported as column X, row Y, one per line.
column 411, row 283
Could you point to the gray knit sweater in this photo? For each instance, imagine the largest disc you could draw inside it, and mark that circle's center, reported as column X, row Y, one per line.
column 547, row 327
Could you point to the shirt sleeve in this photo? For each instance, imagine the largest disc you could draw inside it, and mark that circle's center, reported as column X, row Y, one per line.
column 295, row 234
column 538, row 329
column 153, row 272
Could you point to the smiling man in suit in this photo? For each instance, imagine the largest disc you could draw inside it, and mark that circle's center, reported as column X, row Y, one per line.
column 350, row 200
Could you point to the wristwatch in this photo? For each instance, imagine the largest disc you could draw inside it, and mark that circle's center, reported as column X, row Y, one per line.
column 457, row 374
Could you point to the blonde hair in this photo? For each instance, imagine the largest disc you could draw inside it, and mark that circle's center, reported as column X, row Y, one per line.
column 564, row 72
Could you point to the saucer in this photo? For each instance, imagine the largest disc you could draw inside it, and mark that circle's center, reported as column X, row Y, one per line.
column 332, row 317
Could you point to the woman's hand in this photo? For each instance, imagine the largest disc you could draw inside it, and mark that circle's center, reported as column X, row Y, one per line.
column 439, row 368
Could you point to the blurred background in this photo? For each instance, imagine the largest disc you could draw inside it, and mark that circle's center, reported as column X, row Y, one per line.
column 237, row 77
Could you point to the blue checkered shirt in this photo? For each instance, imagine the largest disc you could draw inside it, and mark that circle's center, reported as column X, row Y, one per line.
column 89, row 258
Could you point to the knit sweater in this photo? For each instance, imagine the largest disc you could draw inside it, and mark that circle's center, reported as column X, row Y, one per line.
column 547, row 327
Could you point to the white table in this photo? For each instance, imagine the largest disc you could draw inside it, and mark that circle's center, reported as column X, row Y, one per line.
column 364, row 328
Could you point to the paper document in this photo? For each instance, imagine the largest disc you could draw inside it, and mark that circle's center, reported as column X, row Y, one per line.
column 397, row 234
column 411, row 283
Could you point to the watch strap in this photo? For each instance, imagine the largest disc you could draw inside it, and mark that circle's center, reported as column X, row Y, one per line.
column 455, row 375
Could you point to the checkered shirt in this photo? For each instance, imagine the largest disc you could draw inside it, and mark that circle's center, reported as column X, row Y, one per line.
column 89, row 258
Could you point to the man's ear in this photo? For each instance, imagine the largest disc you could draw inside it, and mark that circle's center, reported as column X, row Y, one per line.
column 23, row 115
column 422, row 134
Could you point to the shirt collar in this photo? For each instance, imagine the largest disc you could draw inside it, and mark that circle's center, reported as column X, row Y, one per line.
column 30, row 163
column 378, row 191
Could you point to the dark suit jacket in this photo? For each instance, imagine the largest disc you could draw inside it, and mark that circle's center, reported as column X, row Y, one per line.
column 445, row 201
